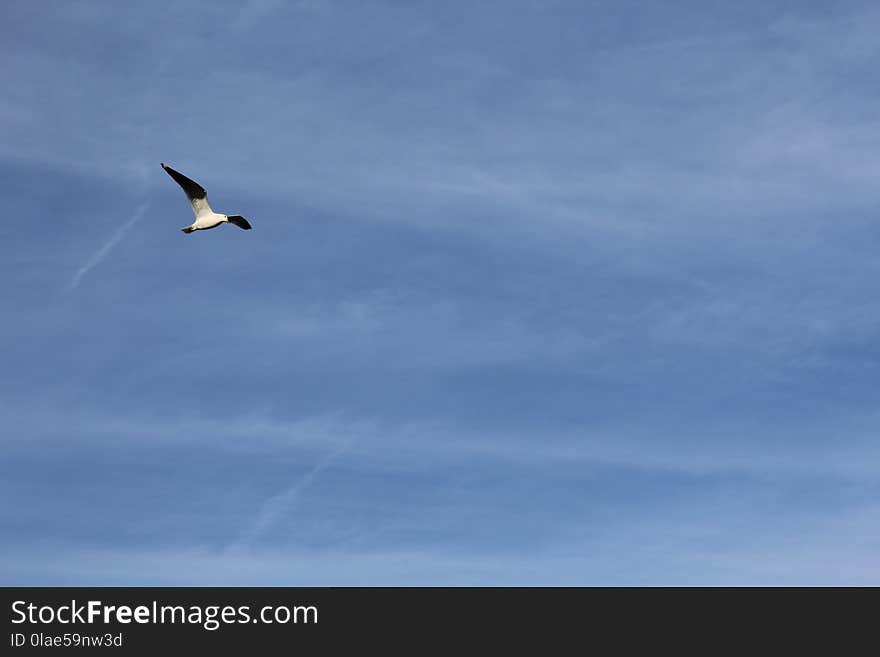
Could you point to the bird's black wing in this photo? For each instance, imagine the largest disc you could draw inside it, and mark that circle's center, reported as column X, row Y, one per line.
column 194, row 190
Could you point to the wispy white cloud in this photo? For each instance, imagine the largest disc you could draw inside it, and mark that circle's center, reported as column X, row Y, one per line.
column 834, row 550
column 841, row 446
column 597, row 148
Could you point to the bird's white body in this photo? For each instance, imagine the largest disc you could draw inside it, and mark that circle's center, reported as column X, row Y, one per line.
column 208, row 219
column 205, row 216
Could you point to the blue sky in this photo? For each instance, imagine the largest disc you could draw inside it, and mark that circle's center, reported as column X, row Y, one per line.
column 537, row 293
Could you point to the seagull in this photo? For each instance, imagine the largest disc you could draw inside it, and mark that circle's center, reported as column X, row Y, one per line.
column 205, row 217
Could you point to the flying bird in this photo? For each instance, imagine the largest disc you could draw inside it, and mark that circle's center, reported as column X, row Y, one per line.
column 205, row 217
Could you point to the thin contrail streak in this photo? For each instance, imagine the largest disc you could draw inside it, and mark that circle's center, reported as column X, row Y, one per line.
column 142, row 209
column 101, row 253
column 278, row 505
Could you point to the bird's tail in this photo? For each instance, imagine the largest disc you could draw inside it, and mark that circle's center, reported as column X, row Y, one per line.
column 188, row 229
column 239, row 221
